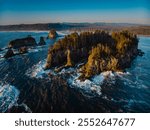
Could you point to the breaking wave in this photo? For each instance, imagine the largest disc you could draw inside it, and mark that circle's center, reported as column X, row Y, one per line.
column 8, row 96
column 93, row 85
column 37, row 71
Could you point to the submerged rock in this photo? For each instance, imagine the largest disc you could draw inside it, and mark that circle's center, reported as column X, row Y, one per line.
column 140, row 52
column 28, row 41
column 9, row 53
column 42, row 42
column 52, row 34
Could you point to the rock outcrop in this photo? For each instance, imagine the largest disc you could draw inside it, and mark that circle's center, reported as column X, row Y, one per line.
column 9, row 53
column 42, row 42
column 78, row 45
column 99, row 50
column 52, row 34
column 28, row 41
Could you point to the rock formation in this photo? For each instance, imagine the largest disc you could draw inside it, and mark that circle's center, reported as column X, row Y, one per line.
column 99, row 50
column 52, row 34
column 28, row 41
column 42, row 42
column 9, row 53
column 79, row 46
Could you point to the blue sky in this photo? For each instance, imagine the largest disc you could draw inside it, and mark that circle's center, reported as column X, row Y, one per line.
column 44, row 11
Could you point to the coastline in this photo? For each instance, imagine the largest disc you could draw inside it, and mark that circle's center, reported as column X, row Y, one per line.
column 59, row 31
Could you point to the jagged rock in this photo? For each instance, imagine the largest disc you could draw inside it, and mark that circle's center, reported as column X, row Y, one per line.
column 52, row 34
column 23, row 50
column 42, row 42
column 28, row 41
column 100, row 50
column 78, row 46
column 9, row 53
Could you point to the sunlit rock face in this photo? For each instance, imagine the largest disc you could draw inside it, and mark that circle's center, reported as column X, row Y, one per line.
column 52, row 34
column 99, row 50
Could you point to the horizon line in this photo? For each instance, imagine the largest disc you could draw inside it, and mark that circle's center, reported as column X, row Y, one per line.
column 130, row 23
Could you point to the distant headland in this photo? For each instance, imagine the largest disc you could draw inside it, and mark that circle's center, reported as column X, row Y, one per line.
column 139, row 29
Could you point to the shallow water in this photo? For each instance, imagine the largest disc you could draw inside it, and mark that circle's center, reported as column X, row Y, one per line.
column 123, row 92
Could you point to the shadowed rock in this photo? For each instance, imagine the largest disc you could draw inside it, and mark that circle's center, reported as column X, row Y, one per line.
column 9, row 53
column 42, row 42
column 28, row 41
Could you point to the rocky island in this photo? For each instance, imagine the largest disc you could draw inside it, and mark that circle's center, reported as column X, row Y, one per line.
column 99, row 51
column 28, row 41
column 22, row 45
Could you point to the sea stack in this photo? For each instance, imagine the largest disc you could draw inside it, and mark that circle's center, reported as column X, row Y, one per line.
column 42, row 42
column 100, row 51
column 28, row 41
column 52, row 34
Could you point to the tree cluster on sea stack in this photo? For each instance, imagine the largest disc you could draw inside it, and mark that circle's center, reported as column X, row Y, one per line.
column 100, row 50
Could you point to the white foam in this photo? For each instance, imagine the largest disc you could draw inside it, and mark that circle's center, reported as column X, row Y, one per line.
column 92, row 85
column 8, row 96
column 98, row 79
column 37, row 71
column 88, row 86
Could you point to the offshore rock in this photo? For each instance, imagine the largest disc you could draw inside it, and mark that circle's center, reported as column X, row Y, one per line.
column 28, row 41
column 42, row 42
column 52, row 34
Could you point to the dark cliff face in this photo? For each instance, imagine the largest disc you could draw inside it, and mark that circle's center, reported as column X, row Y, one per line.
column 100, row 50
column 28, row 41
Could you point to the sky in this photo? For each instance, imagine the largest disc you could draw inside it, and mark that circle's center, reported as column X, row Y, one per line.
column 50, row 11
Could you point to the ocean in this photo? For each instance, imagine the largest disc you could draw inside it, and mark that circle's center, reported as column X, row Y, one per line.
column 26, row 87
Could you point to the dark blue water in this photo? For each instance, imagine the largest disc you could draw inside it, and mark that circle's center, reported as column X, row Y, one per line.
column 125, row 92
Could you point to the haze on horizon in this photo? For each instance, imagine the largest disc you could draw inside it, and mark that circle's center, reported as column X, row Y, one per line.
column 49, row 11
